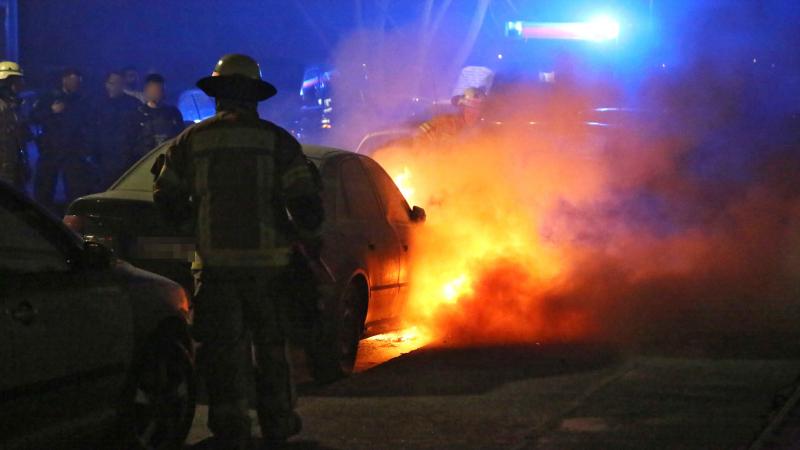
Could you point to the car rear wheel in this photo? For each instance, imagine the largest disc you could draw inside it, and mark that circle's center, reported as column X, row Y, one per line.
column 158, row 404
column 334, row 353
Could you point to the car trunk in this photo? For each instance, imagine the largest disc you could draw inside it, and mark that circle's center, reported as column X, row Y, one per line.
column 130, row 224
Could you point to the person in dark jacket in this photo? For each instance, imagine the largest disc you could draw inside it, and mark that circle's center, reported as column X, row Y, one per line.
column 247, row 187
column 154, row 122
column 111, row 136
column 63, row 146
column 131, row 77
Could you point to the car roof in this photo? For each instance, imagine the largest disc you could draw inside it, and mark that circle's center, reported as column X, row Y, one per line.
column 318, row 153
column 139, row 178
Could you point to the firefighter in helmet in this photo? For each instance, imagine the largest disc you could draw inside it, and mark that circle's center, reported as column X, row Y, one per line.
column 446, row 127
column 246, row 185
column 13, row 132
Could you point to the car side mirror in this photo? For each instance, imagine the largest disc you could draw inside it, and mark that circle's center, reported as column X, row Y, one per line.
column 96, row 256
column 418, row 214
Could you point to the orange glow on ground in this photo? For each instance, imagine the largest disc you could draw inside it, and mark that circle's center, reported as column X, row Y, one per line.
column 380, row 348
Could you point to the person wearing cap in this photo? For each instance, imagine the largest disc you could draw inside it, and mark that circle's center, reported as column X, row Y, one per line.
column 247, row 188
column 448, row 126
column 13, row 133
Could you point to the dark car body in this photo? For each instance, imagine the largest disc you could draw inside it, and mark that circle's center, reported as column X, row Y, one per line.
column 73, row 320
column 366, row 232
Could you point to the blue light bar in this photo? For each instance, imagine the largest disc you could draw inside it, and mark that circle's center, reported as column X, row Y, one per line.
column 601, row 28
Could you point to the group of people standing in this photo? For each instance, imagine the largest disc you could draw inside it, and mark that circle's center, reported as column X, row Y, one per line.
column 86, row 142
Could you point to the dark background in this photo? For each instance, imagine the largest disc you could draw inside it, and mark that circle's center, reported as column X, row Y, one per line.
column 183, row 39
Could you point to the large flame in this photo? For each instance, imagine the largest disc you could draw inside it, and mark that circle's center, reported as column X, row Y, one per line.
column 560, row 233
column 678, row 224
column 485, row 203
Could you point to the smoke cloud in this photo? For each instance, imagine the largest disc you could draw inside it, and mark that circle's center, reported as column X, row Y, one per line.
column 674, row 226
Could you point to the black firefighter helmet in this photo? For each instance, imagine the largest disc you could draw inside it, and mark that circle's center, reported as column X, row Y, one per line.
column 237, row 77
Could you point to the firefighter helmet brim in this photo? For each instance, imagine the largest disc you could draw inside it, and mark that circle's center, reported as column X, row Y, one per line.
column 236, row 87
column 10, row 69
column 237, row 77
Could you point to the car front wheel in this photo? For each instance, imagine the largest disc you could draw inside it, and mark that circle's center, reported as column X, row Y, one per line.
column 158, row 402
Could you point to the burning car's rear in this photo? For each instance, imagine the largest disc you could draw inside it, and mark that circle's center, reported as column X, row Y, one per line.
column 366, row 252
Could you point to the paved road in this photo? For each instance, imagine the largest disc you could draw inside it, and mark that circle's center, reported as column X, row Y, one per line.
column 546, row 397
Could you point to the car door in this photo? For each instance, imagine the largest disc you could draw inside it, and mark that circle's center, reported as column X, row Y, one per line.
column 67, row 332
column 398, row 215
column 369, row 235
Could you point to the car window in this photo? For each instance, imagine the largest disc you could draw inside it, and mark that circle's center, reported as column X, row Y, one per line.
column 396, row 206
column 23, row 249
column 361, row 203
column 138, row 177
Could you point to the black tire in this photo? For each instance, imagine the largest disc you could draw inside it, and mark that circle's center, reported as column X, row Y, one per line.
column 158, row 402
column 333, row 353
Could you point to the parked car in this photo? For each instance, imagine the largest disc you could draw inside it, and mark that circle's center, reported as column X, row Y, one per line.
column 367, row 245
column 89, row 342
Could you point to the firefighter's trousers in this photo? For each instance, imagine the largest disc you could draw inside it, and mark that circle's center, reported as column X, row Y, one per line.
column 239, row 319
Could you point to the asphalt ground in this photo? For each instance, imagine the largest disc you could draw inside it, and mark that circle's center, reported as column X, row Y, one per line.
column 547, row 396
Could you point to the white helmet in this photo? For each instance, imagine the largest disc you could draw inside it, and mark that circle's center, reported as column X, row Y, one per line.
column 10, row 69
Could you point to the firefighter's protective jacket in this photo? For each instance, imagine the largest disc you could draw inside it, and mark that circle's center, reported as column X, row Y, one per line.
column 11, row 142
column 236, row 176
column 442, row 128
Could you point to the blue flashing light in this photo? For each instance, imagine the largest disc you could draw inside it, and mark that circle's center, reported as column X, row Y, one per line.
column 598, row 29
column 195, row 105
column 603, row 28
column 514, row 29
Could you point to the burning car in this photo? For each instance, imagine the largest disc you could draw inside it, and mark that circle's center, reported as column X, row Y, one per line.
column 367, row 245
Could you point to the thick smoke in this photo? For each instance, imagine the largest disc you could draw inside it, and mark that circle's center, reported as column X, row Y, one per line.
column 560, row 231
column 675, row 228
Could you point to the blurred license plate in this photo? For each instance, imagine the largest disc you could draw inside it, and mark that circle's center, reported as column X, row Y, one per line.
column 164, row 248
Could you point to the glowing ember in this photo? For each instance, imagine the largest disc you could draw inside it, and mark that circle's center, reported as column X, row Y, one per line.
column 380, row 348
column 407, row 335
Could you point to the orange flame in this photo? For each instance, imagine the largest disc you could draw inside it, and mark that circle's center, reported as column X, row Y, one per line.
column 476, row 221
column 532, row 236
column 403, row 182
column 527, row 239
